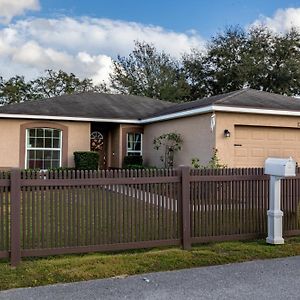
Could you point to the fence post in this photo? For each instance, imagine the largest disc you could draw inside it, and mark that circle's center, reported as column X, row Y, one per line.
column 15, row 204
column 185, row 207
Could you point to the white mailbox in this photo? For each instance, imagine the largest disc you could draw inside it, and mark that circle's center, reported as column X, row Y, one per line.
column 277, row 168
column 281, row 167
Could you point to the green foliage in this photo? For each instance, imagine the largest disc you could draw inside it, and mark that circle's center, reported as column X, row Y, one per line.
column 140, row 167
column 58, row 83
column 233, row 59
column 16, row 89
column 147, row 72
column 86, row 160
column 134, row 160
column 171, row 143
column 214, row 162
column 81, row 267
column 134, row 167
column 196, row 163
column 237, row 58
column 272, row 61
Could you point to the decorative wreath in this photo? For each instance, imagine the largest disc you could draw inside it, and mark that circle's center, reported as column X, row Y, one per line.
column 96, row 141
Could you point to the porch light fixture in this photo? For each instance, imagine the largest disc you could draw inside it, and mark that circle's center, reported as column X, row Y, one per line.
column 226, row 133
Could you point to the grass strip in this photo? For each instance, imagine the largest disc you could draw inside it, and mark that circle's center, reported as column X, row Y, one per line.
column 71, row 268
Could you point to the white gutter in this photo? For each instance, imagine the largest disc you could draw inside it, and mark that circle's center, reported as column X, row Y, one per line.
column 181, row 114
column 64, row 118
column 212, row 108
column 260, row 111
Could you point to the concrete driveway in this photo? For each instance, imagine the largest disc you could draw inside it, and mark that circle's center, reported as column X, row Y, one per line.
column 268, row 279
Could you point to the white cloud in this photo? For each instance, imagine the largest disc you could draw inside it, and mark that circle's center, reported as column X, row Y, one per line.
column 83, row 46
column 283, row 20
column 11, row 8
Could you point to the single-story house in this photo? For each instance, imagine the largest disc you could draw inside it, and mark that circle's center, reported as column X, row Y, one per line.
column 245, row 126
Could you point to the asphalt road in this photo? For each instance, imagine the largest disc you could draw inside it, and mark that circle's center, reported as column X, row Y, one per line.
column 268, row 279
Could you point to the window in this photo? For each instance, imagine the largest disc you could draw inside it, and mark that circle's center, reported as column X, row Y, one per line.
column 43, row 148
column 134, row 144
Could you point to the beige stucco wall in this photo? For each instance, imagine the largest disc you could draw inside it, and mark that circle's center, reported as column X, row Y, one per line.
column 10, row 143
column 198, row 139
column 78, row 140
column 225, row 146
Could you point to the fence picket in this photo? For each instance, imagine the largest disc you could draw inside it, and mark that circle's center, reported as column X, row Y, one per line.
column 81, row 211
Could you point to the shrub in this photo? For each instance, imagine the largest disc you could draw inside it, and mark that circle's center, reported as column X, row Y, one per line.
column 86, row 160
column 132, row 160
column 214, row 162
column 60, row 169
column 135, row 167
column 171, row 143
column 140, row 167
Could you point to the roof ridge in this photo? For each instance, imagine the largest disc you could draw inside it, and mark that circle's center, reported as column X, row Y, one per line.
column 274, row 94
column 235, row 93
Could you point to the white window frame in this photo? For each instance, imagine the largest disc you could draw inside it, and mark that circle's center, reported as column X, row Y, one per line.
column 40, row 148
column 140, row 152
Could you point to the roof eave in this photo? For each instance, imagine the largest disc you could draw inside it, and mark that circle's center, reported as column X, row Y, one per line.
column 221, row 108
column 67, row 118
column 181, row 114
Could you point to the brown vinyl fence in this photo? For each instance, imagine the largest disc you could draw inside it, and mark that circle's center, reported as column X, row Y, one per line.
column 47, row 213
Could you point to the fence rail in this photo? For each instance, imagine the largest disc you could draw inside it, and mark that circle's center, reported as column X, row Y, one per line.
column 47, row 213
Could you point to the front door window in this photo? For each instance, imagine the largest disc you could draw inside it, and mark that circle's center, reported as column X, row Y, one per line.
column 97, row 144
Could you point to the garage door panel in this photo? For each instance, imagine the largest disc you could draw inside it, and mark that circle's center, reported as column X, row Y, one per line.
column 259, row 135
column 258, row 152
column 242, row 134
column 290, row 136
column 241, row 152
column 290, row 152
column 274, row 152
column 274, row 135
column 258, row 143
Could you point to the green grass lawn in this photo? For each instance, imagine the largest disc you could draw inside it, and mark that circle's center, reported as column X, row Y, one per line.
column 70, row 268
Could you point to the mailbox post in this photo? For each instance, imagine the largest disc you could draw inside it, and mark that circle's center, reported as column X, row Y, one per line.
column 277, row 168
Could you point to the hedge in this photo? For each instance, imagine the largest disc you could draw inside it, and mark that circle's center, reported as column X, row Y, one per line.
column 86, row 160
column 132, row 160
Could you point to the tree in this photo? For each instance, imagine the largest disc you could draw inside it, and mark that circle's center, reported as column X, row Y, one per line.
column 193, row 67
column 273, row 61
column 224, row 61
column 59, row 83
column 236, row 58
column 284, row 75
column 218, row 69
column 16, row 89
column 147, row 72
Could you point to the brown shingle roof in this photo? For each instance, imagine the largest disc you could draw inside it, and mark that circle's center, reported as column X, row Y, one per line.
column 90, row 105
column 108, row 106
column 247, row 98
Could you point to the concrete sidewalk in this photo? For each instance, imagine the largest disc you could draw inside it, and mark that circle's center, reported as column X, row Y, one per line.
column 268, row 279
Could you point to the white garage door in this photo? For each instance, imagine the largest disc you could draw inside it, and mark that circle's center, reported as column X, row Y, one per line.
column 252, row 145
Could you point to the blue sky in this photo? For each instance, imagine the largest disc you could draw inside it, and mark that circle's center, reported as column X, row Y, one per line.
column 84, row 37
column 205, row 16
